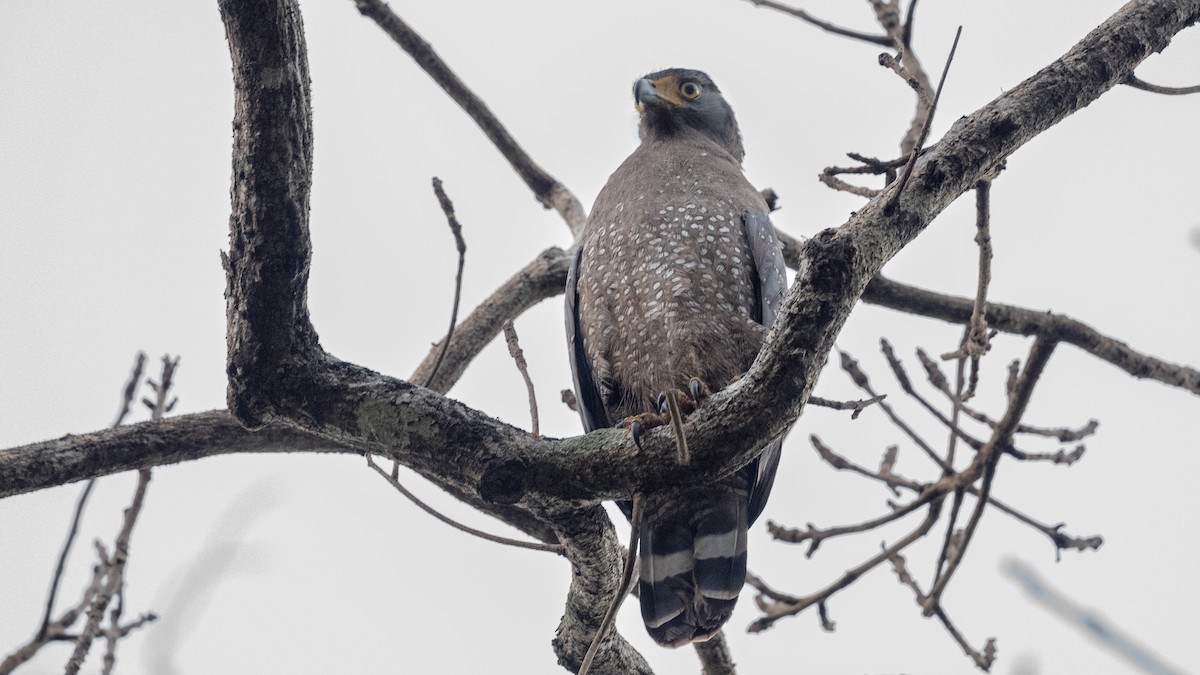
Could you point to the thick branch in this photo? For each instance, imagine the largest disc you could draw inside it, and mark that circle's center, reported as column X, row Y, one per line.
column 269, row 250
column 595, row 556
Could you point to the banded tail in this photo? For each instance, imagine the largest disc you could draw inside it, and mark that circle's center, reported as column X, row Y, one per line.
column 693, row 564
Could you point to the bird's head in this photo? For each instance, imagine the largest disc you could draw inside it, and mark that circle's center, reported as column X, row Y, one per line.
column 675, row 100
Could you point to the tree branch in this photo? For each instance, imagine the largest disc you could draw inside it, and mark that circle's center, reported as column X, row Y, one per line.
column 1021, row 321
column 1138, row 83
column 544, row 277
column 881, row 40
column 548, row 191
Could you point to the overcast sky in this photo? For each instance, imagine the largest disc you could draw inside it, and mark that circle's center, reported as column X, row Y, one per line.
column 114, row 204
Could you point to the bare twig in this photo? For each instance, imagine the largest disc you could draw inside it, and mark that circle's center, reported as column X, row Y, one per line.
column 815, row 535
column 836, row 183
column 881, row 40
column 912, row 158
column 975, row 344
column 1022, row 321
column 884, row 475
column 984, row 658
column 544, row 277
column 893, row 64
column 56, row 631
column 518, row 356
column 461, row 245
column 869, row 166
column 548, row 191
column 778, row 609
column 909, row 19
column 987, row 459
column 610, row 616
column 893, row 481
column 48, row 630
column 938, row 380
column 114, row 577
column 130, row 390
column 533, row 546
column 827, row 624
column 851, row 367
column 114, row 569
column 683, row 454
column 856, row 406
column 62, row 558
column 1062, row 434
column 1138, row 83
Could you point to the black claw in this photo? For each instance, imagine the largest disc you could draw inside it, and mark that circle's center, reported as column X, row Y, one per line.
column 662, row 401
column 694, row 390
column 635, row 429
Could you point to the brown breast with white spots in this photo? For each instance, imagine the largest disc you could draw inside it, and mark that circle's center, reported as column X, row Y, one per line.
column 666, row 282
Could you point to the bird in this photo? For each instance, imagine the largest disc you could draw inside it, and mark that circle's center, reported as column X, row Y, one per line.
column 677, row 275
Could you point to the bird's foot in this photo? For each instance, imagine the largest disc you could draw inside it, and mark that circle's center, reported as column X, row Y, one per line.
column 640, row 424
column 687, row 402
column 698, row 390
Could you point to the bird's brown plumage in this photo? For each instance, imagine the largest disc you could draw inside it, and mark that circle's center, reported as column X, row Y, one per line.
column 677, row 272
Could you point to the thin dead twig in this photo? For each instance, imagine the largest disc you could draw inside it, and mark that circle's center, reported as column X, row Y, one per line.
column 986, row 461
column 114, row 577
column 815, row 535
column 884, row 475
column 546, row 188
column 842, row 186
column 610, row 616
column 907, row 65
column 544, row 277
column 1021, row 321
column 461, row 245
column 850, row 366
column 856, row 406
column 518, row 356
column 778, row 609
column 975, row 343
column 1138, row 83
column 128, row 393
column 56, row 631
column 533, row 546
column 881, row 40
column 868, row 166
column 683, row 454
column 53, row 630
column 894, row 64
column 114, row 568
column 909, row 18
column 983, row 658
column 916, row 149
column 937, row 379
column 1062, row 434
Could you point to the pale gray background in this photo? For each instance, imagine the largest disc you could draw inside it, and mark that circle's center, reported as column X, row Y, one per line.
column 114, row 179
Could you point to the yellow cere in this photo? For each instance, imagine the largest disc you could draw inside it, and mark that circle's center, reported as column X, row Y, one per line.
column 667, row 88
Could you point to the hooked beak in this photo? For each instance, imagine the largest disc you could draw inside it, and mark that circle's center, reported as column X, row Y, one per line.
column 654, row 92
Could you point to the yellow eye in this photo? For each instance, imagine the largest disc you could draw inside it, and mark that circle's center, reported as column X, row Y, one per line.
column 690, row 90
